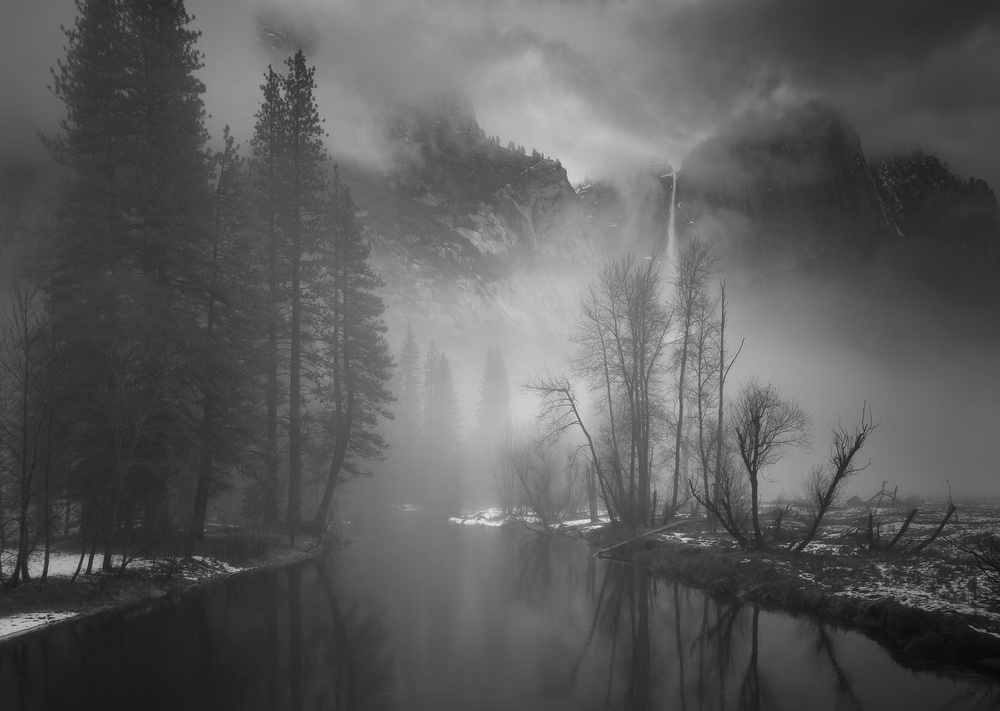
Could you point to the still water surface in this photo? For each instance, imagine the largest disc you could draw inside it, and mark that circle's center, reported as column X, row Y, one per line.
column 418, row 614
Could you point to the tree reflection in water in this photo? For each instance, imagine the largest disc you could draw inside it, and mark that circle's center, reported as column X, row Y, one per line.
column 433, row 617
column 283, row 639
column 663, row 645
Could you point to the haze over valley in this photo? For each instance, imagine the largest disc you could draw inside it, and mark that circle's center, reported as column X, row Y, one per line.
column 499, row 152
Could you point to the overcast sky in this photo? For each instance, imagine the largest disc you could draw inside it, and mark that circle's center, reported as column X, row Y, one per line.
column 597, row 83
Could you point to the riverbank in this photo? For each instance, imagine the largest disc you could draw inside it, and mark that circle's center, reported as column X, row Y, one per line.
column 224, row 552
column 903, row 601
column 928, row 608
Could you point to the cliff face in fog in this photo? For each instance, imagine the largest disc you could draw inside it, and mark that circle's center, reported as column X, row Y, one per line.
column 949, row 228
column 799, row 185
column 631, row 212
column 799, row 192
column 476, row 237
column 471, row 236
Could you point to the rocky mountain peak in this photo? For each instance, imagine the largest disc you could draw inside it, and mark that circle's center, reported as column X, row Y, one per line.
column 468, row 232
column 948, row 226
column 796, row 191
column 442, row 125
column 797, row 182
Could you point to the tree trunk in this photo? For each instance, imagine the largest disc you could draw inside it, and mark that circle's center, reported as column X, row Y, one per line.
column 319, row 520
column 295, row 392
column 758, row 537
column 680, row 422
column 271, row 498
column 198, row 515
column 902, row 530
column 716, row 485
column 592, row 493
column 951, row 511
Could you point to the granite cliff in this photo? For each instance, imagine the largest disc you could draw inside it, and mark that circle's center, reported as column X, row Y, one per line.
column 799, row 192
column 475, row 240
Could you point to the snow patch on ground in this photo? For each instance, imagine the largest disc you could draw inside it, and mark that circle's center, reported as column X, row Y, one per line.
column 64, row 565
column 407, row 507
column 938, row 579
column 692, row 539
column 495, row 518
column 488, row 517
column 29, row 620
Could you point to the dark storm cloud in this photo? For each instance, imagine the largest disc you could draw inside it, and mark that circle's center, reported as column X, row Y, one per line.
column 907, row 71
column 599, row 84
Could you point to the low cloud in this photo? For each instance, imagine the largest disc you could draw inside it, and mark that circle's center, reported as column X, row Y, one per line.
column 600, row 85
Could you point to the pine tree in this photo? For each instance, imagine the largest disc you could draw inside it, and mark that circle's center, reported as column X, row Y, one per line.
column 126, row 268
column 442, row 429
column 356, row 360
column 267, row 187
column 226, row 382
column 408, row 391
column 492, row 422
column 290, row 181
column 303, row 209
column 493, row 415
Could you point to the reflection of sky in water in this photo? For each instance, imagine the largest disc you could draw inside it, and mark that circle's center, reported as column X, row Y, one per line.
column 533, row 623
column 418, row 614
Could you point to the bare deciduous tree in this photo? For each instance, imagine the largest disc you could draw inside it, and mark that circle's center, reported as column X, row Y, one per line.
column 730, row 502
column 623, row 334
column 559, row 411
column 724, row 367
column 24, row 409
column 765, row 425
column 825, row 483
column 704, row 374
column 697, row 264
column 547, row 489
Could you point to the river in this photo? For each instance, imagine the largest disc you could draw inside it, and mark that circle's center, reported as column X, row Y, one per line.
column 419, row 614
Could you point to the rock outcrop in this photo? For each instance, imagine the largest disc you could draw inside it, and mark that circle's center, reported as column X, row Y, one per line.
column 472, row 237
column 949, row 227
column 797, row 187
column 797, row 192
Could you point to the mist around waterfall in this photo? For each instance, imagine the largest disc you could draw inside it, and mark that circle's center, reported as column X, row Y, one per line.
column 620, row 97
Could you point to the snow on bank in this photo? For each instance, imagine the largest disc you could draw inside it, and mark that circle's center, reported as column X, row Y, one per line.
column 935, row 581
column 495, row 518
column 30, row 620
column 63, row 565
column 489, row 517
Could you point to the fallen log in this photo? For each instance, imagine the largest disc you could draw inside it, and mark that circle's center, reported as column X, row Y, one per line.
column 902, row 530
column 951, row 511
column 645, row 534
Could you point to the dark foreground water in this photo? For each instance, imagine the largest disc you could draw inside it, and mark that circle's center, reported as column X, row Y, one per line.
column 418, row 614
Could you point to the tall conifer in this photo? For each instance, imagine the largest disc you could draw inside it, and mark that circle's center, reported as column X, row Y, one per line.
column 226, row 383
column 307, row 188
column 494, row 397
column 126, row 266
column 356, row 358
column 267, row 186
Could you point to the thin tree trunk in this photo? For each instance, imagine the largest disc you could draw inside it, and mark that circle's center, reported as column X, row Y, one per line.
column 295, row 391
column 758, row 537
column 902, row 530
column 680, row 424
column 937, row 532
column 271, row 505
column 716, row 485
column 592, row 492
column 197, row 529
